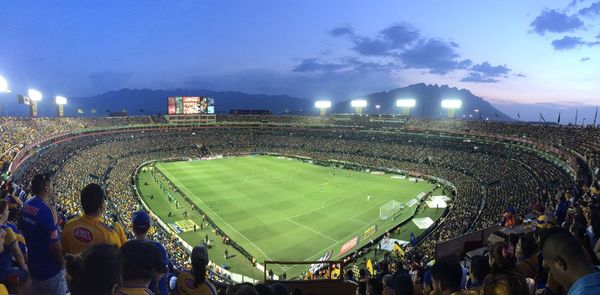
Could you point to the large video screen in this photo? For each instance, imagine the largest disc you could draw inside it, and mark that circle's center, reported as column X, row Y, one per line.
column 187, row 105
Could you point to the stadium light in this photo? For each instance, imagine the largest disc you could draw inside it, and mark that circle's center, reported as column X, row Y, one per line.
column 4, row 85
column 452, row 105
column 358, row 103
column 406, row 104
column 61, row 100
column 34, row 95
column 322, row 105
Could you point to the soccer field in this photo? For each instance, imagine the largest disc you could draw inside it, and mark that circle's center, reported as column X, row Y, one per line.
column 278, row 208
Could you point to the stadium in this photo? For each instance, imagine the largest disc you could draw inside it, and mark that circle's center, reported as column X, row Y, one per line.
column 274, row 192
column 299, row 147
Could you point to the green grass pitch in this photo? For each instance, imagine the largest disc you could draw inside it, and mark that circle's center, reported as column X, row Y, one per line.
column 278, row 208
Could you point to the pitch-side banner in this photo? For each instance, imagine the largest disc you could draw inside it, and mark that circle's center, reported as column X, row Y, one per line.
column 316, row 267
column 348, row 245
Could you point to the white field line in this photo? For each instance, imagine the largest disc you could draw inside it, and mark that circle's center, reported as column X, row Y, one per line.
column 312, row 230
column 184, row 188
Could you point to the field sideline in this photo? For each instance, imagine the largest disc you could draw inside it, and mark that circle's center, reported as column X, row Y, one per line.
column 280, row 209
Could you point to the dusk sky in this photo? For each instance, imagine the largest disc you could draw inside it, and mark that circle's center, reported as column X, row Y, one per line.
column 505, row 51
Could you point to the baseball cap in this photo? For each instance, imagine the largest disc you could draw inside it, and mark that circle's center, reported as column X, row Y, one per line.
column 140, row 218
column 200, row 252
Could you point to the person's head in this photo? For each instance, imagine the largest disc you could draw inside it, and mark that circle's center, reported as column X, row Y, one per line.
column 565, row 258
column 501, row 257
column 92, row 199
column 263, row 289
column 140, row 222
column 141, row 262
column 3, row 211
column 241, row 289
column 388, row 282
column 402, row 284
column 526, row 247
column 41, row 186
column 279, row 289
column 97, row 271
column 374, row 287
column 199, row 262
column 446, row 275
column 480, row 268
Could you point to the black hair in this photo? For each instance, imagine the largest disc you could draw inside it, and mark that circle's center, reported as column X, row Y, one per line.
column 480, row 267
column 96, row 271
column 141, row 260
column 448, row 272
column 528, row 246
column 38, row 183
column 92, row 197
column 402, row 284
column 198, row 270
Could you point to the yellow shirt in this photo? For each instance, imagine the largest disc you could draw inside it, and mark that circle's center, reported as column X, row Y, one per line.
column 185, row 285
column 80, row 233
column 3, row 290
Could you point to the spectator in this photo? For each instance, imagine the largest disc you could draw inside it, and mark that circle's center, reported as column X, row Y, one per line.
column 446, row 275
column 141, row 264
column 403, row 284
column 2, row 237
column 374, row 287
column 11, row 250
column 97, row 271
column 40, row 227
column 480, row 268
column 388, row 284
column 527, row 259
column 80, row 233
column 194, row 282
column 241, row 289
column 568, row 264
column 504, row 277
column 141, row 225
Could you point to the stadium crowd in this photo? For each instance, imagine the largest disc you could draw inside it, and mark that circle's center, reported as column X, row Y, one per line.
column 491, row 178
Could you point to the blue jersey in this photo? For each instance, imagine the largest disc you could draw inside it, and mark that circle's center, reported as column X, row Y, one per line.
column 163, row 285
column 40, row 227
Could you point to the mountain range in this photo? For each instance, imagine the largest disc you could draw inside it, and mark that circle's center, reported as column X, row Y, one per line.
column 145, row 101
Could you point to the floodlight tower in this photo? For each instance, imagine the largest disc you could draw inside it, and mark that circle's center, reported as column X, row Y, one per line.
column 4, row 85
column 406, row 104
column 451, row 105
column 61, row 101
column 34, row 97
column 358, row 104
column 323, row 105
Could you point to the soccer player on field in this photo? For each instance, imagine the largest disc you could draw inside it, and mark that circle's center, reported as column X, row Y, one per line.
column 82, row 232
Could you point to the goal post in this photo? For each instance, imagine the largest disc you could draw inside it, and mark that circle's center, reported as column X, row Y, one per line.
column 390, row 208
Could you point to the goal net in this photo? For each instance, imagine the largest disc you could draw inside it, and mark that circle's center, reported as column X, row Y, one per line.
column 390, row 208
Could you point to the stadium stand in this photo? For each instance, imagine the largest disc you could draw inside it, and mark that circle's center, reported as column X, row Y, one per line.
column 527, row 180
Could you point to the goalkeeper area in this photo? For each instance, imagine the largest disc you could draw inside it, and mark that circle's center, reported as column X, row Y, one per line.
column 279, row 208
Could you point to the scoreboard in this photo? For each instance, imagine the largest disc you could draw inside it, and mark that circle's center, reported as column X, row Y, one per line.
column 190, row 105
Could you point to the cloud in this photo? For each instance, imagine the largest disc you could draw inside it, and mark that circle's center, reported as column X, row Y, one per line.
column 520, row 75
column 316, row 65
column 584, row 59
column 387, row 42
column 437, row 56
column 591, row 10
column 567, row 43
column 489, row 70
column 555, row 22
column 342, row 31
column 109, row 79
column 476, row 77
